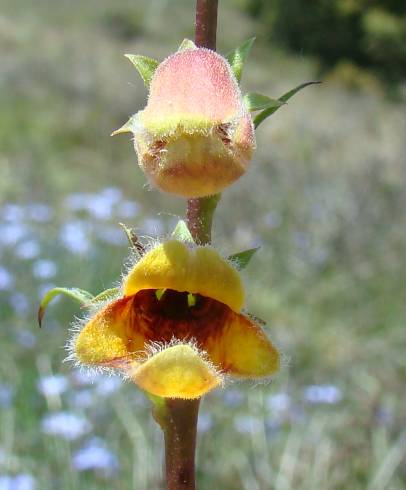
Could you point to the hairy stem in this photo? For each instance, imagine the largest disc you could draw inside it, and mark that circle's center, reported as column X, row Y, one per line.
column 206, row 23
column 178, row 418
column 200, row 217
column 200, row 211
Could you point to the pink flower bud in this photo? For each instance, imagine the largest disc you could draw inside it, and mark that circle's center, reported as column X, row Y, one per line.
column 195, row 137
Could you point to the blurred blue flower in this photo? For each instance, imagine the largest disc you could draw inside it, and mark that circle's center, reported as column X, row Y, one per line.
column 82, row 398
column 278, row 402
column 96, row 456
column 100, row 206
column 53, row 385
column 233, row 397
column 273, row 219
column 204, row 422
column 112, row 235
column 17, row 482
column 27, row 250
column 67, row 425
column 6, row 279
column 127, row 209
column 40, row 212
column 44, row 269
column 322, row 394
column 20, row 303
column 112, row 194
column 6, row 395
column 26, row 338
column 84, row 377
column 12, row 212
column 12, row 233
column 248, row 424
column 106, row 385
column 74, row 236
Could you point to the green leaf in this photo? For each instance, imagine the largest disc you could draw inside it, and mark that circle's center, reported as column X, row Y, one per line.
column 145, row 66
column 241, row 259
column 256, row 102
column 106, row 294
column 78, row 294
column 182, row 233
column 186, row 44
column 284, row 98
column 238, row 57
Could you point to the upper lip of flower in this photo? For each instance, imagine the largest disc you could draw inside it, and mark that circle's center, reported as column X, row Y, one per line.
column 120, row 333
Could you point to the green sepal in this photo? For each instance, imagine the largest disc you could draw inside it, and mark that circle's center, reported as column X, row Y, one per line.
column 284, row 98
column 80, row 295
column 257, row 102
column 128, row 127
column 106, row 294
column 242, row 259
column 187, row 44
column 238, row 57
column 133, row 240
column 182, row 233
column 145, row 66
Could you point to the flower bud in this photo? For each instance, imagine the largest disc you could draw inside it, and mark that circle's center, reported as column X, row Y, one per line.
column 195, row 137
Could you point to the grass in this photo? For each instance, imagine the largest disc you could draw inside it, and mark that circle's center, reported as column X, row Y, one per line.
column 324, row 198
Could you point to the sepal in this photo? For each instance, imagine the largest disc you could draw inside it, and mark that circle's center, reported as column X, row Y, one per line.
column 242, row 259
column 80, row 295
column 238, row 57
column 182, row 233
column 145, row 66
column 187, row 44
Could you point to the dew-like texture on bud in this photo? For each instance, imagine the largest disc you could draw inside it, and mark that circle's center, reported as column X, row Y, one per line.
column 195, row 137
column 202, row 270
column 179, row 371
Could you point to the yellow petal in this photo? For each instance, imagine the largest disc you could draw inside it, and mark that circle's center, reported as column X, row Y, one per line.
column 241, row 348
column 199, row 270
column 177, row 372
column 107, row 338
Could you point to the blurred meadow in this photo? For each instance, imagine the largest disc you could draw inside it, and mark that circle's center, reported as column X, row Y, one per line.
column 325, row 199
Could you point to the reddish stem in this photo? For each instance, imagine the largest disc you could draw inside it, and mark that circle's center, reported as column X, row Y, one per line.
column 180, row 427
column 206, row 23
column 178, row 418
column 200, row 211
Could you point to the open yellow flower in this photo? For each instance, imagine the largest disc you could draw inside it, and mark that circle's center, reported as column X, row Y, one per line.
column 195, row 136
column 178, row 327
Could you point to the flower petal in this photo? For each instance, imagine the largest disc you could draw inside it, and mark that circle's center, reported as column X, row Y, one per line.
column 200, row 270
column 108, row 339
column 241, row 348
column 179, row 371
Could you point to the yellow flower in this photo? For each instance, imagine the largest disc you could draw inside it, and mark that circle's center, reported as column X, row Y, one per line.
column 195, row 136
column 178, row 327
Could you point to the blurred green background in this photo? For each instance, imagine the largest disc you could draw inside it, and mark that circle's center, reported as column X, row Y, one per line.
column 325, row 198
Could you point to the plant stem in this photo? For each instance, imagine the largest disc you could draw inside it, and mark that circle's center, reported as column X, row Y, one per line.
column 200, row 211
column 178, row 418
column 200, row 217
column 206, row 23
